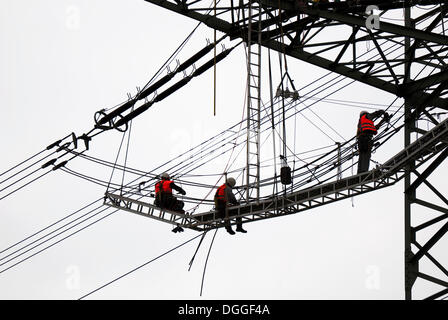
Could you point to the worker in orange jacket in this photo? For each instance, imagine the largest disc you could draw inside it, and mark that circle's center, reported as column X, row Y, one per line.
column 164, row 194
column 224, row 197
column 364, row 134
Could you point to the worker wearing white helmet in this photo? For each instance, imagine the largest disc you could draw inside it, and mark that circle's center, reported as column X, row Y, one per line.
column 365, row 132
column 224, row 197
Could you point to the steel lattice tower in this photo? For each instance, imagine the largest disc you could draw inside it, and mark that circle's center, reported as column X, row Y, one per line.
column 423, row 43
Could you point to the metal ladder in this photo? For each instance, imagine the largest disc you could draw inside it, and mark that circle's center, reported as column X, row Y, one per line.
column 253, row 101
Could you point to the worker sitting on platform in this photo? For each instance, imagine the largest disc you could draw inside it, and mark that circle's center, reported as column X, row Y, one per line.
column 224, row 197
column 164, row 194
column 366, row 131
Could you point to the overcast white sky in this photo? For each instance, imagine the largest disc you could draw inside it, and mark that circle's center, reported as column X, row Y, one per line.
column 60, row 61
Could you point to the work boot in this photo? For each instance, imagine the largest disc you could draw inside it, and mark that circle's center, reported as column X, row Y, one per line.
column 178, row 229
column 229, row 230
column 240, row 229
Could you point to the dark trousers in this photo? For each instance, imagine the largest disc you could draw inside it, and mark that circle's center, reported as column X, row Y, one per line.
column 221, row 208
column 169, row 202
column 365, row 144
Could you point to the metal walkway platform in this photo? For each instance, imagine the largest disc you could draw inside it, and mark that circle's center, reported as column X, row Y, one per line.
column 393, row 170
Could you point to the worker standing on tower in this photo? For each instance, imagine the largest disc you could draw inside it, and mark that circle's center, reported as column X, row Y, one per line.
column 224, row 197
column 164, row 194
column 366, row 131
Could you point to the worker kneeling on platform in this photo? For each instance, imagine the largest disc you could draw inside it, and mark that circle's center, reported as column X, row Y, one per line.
column 224, row 197
column 164, row 194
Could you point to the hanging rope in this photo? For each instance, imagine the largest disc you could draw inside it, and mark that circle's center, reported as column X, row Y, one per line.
column 197, row 249
column 206, row 261
column 116, row 160
column 126, row 156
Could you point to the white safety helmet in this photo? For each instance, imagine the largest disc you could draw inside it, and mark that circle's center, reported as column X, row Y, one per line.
column 165, row 175
column 231, row 182
column 362, row 112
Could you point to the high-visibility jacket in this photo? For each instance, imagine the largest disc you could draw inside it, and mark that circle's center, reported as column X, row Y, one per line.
column 221, row 193
column 365, row 125
column 164, row 187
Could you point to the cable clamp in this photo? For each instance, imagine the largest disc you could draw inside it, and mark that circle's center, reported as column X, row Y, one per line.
column 86, row 139
column 64, row 146
column 60, row 165
column 54, row 144
column 49, row 163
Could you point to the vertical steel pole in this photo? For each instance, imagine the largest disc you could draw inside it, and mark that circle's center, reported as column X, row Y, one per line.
column 248, row 102
column 409, row 268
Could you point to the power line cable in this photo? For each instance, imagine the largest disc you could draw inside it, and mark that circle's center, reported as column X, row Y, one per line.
column 32, row 243
column 139, row 267
column 51, row 146
column 48, row 227
column 25, row 259
column 26, row 184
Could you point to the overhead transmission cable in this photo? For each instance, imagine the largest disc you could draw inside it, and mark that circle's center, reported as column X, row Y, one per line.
column 51, row 146
column 139, row 267
column 58, row 241
column 48, row 227
column 52, row 232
